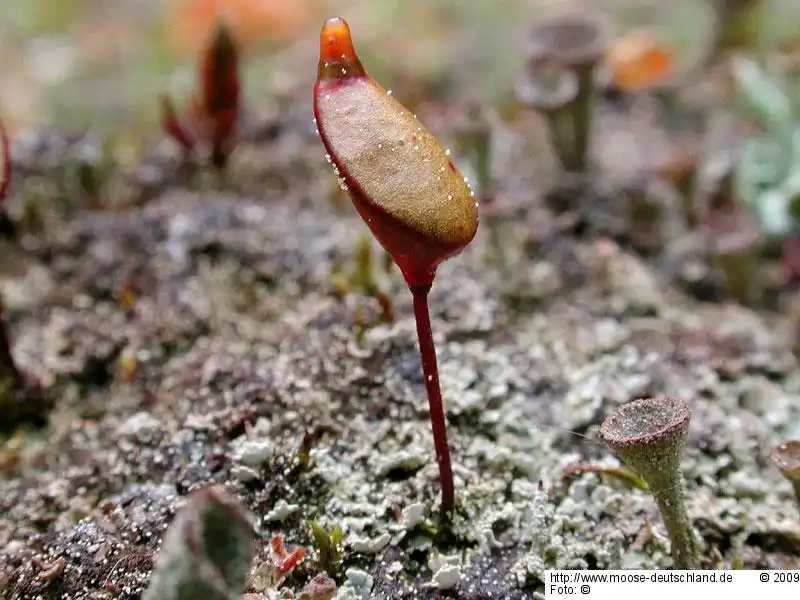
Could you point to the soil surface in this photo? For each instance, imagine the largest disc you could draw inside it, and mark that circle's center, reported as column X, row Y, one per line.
column 198, row 332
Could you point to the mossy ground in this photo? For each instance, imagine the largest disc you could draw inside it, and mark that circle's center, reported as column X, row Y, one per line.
column 198, row 337
column 193, row 334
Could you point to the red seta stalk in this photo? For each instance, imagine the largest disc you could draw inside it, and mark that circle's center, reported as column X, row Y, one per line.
column 430, row 371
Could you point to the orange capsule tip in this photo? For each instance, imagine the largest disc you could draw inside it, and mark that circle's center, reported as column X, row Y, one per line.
column 337, row 56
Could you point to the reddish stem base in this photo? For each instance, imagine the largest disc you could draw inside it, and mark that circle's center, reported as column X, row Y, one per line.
column 430, row 371
column 7, row 365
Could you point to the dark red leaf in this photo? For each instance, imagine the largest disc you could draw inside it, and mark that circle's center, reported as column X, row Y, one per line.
column 220, row 91
column 173, row 126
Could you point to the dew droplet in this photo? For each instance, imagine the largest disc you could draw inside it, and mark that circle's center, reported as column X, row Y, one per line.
column 389, row 92
column 416, row 147
column 327, row 96
column 449, row 196
column 447, row 152
column 329, row 159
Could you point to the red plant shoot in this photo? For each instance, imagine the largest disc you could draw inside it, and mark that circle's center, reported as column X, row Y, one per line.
column 31, row 401
column 172, row 125
column 282, row 559
column 7, row 365
column 218, row 104
column 215, row 108
column 404, row 186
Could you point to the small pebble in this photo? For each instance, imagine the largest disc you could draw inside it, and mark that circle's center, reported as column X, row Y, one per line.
column 370, row 546
column 447, row 577
column 252, row 453
column 357, row 578
column 413, row 514
column 281, row 510
column 243, row 474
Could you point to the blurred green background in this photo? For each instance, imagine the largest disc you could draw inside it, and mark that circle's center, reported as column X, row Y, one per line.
column 103, row 62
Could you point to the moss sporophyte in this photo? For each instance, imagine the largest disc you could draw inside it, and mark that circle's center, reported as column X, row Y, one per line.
column 405, row 187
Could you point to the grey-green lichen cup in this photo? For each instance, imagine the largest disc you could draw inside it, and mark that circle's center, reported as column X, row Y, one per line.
column 650, row 436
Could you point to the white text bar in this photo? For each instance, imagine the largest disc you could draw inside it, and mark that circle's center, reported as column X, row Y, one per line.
column 663, row 585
